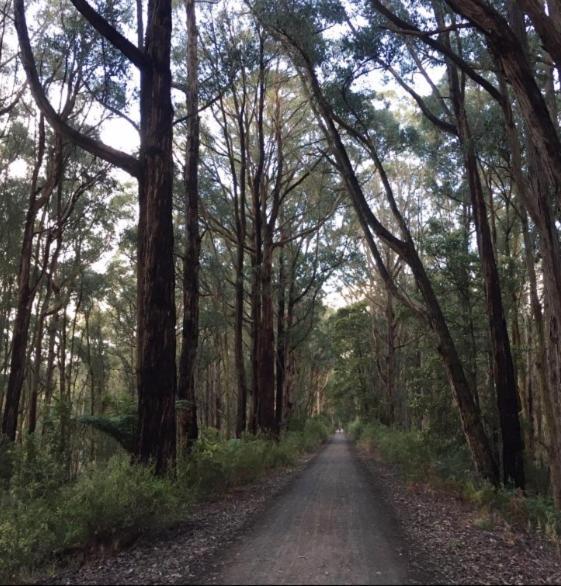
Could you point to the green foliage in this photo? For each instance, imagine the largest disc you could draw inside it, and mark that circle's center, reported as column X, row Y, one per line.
column 40, row 517
column 216, row 465
column 315, row 431
column 116, row 501
column 420, row 456
column 525, row 511
column 353, row 387
column 407, row 449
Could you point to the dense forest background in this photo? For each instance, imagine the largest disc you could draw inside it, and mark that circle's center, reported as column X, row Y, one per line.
column 238, row 216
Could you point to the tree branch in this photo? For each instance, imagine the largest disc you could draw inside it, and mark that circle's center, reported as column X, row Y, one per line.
column 122, row 160
column 439, row 123
column 130, row 51
column 404, row 27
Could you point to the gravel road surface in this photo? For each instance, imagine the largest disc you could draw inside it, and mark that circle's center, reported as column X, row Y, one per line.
column 329, row 527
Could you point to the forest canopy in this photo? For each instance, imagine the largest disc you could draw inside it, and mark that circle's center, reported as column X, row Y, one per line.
column 238, row 216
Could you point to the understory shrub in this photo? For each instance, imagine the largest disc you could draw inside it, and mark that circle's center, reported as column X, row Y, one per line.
column 39, row 517
column 43, row 516
column 118, row 501
column 216, row 465
column 523, row 510
column 407, row 449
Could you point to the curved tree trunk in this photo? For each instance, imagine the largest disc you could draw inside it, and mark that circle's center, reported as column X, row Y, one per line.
column 469, row 412
column 156, row 344
column 503, row 372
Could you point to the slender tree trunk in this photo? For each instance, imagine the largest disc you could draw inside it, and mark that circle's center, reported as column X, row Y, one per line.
column 502, row 365
column 26, row 287
column 281, row 342
column 238, row 335
column 266, row 421
column 539, row 363
column 255, row 336
column 188, row 429
column 51, row 269
column 36, row 375
column 289, row 366
column 467, row 305
column 390, row 356
column 257, row 256
column 241, row 229
column 51, row 357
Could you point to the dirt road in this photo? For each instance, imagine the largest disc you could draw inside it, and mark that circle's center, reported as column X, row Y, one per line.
column 329, row 527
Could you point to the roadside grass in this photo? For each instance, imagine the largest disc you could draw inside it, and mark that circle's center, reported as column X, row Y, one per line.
column 110, row 504
column 445, row 466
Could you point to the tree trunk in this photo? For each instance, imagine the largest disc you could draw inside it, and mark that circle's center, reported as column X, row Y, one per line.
column 241, row 417
column 536, row 195
column 503, row 373
column 26, row 287
column 156, row 375
column 538, row 364
column 281, row 342
column 156, row 318
column 241, row 229
column 510, row 52
column 257, row 256
column 188, row 429
column 266, row 412
column 390, row 357
column 255, row 300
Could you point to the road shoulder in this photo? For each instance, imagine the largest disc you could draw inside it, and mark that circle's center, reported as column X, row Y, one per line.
column 449, row 542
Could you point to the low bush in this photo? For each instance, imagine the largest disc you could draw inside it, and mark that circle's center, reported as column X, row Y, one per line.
column 526, row 511
column 418, row 455
column 316, row 431
column 404, row 448
column 40, row 518
column 216, row 465
column 118, row 501
column 356, row 429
